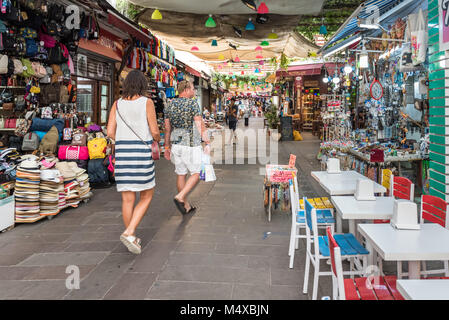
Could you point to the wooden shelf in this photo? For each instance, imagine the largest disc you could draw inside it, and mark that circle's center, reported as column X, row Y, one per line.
column 7, row 129
column 12, row 87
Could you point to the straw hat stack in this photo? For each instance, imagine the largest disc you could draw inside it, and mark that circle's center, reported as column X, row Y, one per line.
column 27, row 190
column 71, row 185
column 49, row 189
column 83, row 180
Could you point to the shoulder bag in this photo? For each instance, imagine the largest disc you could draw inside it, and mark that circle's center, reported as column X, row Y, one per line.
column 154, row 146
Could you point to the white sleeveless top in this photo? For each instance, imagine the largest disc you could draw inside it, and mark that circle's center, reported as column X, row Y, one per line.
column 134, row 112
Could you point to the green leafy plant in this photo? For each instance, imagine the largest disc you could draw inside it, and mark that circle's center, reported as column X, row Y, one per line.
column 272, row 117
column 285, row 61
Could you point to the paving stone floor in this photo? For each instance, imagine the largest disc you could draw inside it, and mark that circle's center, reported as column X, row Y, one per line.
column 226, row 250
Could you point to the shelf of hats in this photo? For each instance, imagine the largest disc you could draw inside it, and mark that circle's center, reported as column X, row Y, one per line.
column 376, row 115
column 50, row 154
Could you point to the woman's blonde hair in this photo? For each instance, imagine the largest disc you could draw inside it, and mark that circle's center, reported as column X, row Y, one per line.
column 183, row 85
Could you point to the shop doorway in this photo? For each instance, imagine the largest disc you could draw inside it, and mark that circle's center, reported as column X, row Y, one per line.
column 94, row 99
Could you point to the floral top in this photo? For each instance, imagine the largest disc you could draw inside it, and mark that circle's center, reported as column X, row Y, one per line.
column 180, row 112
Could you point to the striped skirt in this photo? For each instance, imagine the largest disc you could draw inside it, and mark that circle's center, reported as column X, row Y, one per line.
column 134, row 166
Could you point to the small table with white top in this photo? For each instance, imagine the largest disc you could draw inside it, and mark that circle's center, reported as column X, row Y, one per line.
column 430, row 243
column 348, row 207
column 343, row 183
column 431, row 289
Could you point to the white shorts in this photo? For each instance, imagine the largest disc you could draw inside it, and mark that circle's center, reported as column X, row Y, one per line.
column 186, row 159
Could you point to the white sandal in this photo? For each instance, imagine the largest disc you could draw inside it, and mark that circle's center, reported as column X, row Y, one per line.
column 132, row 243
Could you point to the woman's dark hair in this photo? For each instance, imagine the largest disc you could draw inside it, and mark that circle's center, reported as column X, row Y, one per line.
column 135, row 84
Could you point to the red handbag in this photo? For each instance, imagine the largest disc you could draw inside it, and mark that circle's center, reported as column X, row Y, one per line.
column 10, row 123
column 376, row 155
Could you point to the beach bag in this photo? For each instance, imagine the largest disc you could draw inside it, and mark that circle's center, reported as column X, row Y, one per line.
column 30, row 142
column 97, row 148
column 50, row 141
column 406, row 62
column 73, row 153
column 98, row 173
column 419, row 40
column 47, row 113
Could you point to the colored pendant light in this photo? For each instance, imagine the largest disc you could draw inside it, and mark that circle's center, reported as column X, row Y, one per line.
column 194, row 48
column 156, row 15
column 243, row 72
column 258, row 48
column 237, row 59
column 221, row 57
column 272, row 35
column 323, row 29
column 246, row 66
column 264, row 43
column 261, row 63
column 250, row 25
column 210, row 23
column 214, row 43
column 259, row 56
column 263, row 9
column 257, row 70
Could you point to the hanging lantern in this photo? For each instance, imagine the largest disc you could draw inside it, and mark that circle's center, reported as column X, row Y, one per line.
column 237, row 59
column 259, row 56
column 214, row 43
column 272, row 35
column 194, row 48
column 250, row 25
column 156, row 15
column 264, row 43
column 323, row 29
column 243, row 72
column 263, row 9
column 258, row 48
column 210, row 23
column 221, row 57
column 261, row 63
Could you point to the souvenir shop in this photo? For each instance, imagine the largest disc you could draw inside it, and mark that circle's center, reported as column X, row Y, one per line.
column 377, row 110
column 56, row 88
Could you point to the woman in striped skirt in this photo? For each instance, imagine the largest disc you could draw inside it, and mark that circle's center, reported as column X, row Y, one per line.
column 133, row 125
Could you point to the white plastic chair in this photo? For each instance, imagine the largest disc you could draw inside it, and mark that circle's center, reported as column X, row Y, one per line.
column 325, row 219
column 350, row 246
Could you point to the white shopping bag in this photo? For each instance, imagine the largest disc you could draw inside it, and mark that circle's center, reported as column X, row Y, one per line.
column 210, row 173
column 419, row 40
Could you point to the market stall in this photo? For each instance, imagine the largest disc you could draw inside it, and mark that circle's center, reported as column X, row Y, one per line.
column 376, row 115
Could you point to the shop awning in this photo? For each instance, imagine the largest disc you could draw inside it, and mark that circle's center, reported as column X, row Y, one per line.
column 370, row 9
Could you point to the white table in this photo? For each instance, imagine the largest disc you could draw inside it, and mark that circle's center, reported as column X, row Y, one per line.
column 432, row 289
column 344, row 183
column 349, row 208
column 430, row 243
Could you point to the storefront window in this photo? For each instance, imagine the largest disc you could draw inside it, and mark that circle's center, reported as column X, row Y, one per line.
column 104, row 102
column 85, row 97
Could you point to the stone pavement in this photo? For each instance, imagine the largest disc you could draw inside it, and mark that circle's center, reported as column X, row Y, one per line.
column 226, row 250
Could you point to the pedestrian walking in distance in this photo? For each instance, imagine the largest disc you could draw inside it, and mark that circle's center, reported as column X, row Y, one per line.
column 232, row 119
column 133, row 126
column 184, row 128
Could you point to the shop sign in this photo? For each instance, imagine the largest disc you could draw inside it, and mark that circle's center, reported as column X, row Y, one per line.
column 443, row 6
column 88, row 67
column 311, row 83
column 319, row 40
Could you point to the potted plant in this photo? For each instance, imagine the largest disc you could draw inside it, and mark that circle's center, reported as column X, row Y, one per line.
column 273, row 121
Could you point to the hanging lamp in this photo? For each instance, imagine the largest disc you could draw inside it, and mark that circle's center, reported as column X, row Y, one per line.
column 243, row 73
column 261, row 63
column 272, row 35
column 210, row 23
column 221, row 57
column 263, row 9
column 264, row 43
column 214, row 43
column 259, row 56
column 194, row 48
column 250, row 25
column 257, row 70
column 258, row 48
column 156, row 15
column 323, row 29
column 237, row 59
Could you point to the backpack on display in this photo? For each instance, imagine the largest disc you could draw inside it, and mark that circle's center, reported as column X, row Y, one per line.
column 79, row 139
column 22, row 127
column 30, row 142
column 98, row 173
column 97, row 148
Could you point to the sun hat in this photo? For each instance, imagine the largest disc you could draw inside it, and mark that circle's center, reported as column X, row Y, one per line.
column 29, row 164
column 74, row 167
column 51, row 175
